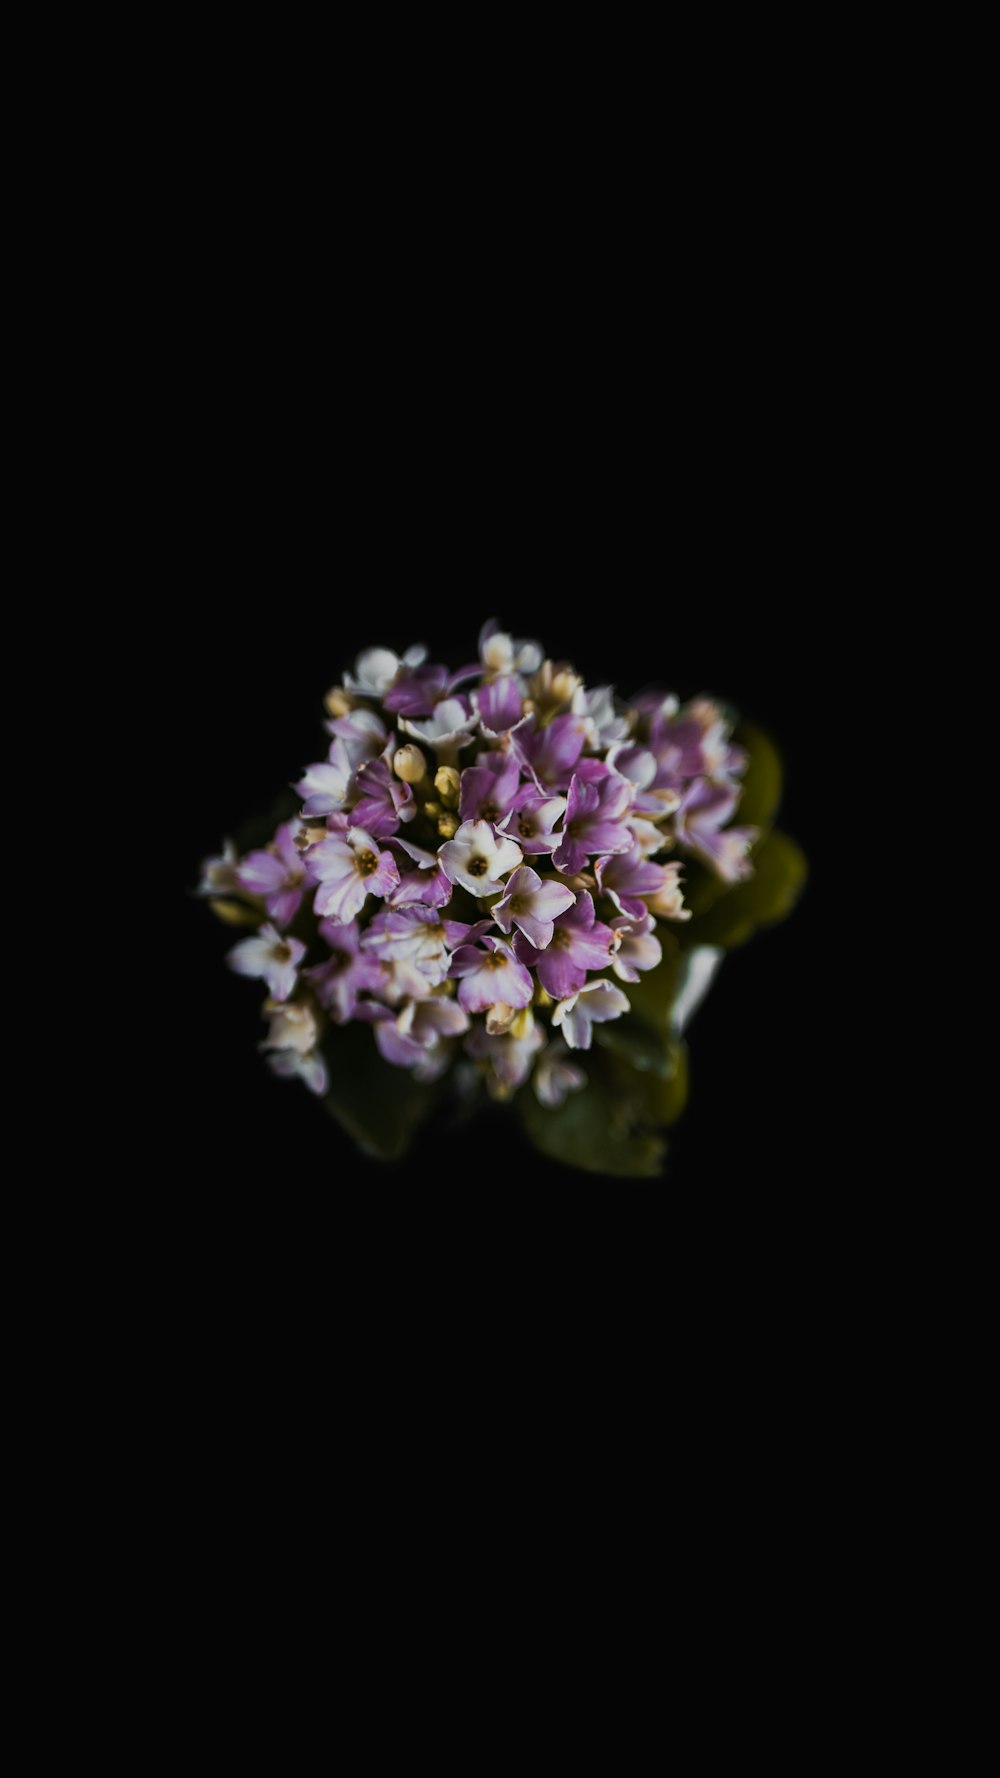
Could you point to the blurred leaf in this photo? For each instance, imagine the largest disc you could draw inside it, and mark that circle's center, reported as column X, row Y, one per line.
column 236, row 913
column 780, row 871
column 762, row 779
column 380, row 1107
column 655, row 1097
column 590, row 1130
column 642, row 1048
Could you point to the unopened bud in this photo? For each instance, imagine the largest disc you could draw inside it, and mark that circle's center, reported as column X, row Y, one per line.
column 541, row 997
column 433, row 810
column 499, row 1018
column 409, row 764
column 338, row 701
column 446, row 783
column 523, row 1023
column 448, row 826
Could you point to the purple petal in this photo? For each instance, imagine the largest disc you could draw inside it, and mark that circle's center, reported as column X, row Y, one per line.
column 284, row 906
column 262, row 874
column 499, row 704
column 559, row 972
column 342, row 899
column 398, row 1049
column 536, row 929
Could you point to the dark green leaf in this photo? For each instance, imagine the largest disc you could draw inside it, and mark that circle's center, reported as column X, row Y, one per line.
column 379, row 1106
column 655, row 1097
column 780, row 872
column 592, row 1130
column 761, row 781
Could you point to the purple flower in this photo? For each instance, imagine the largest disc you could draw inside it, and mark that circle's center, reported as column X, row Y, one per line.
column 417, row 690
column 639, row 948
column 478, row 858
column 555, row 1075
column 271, row 957
column 533, row 818
column 532, row 906
column 580, row 942
column 550, row 754
column 500, row 704
column 414, row 1038
column 384, row 802
column 593, row 820
column 594, row 1004
column 362, row 733
column 450, row 723
column 325, row 786
column 628, row 876
column 427, row 884
column 510, row 1058
column 703, row 809
column 278, row 875
column 489, row 975
column 488, row 788
column 418, row 935
column 347, row 871
column 346, row 973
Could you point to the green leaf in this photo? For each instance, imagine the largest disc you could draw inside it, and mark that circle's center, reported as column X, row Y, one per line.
column 642, row 1049
column 780, row 871
column 591, row 1130
column 655, row 1097
column 380, row 1107
column 762, row 779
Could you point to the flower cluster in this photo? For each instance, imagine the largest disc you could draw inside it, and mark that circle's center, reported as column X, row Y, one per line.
column 479, row 862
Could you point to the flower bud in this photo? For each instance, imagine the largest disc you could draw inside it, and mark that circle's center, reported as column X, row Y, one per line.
column 446, row 783
column 409, row 764
column 499, row 1018
column 448, row 826
column 338, row 701
column 522, row 1024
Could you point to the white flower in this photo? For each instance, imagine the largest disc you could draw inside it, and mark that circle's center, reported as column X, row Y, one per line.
column 311, row 1068
column 376, row 668
column 478, row 857
column 532, row 903
column 638, row 947
column 448, row 722
column 325, row 785
column 218, row 875
column 499, row 652
column 595, row 1003
column 292, row 1028
column 604, row 724
column 270, row 956
column 668, row 901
